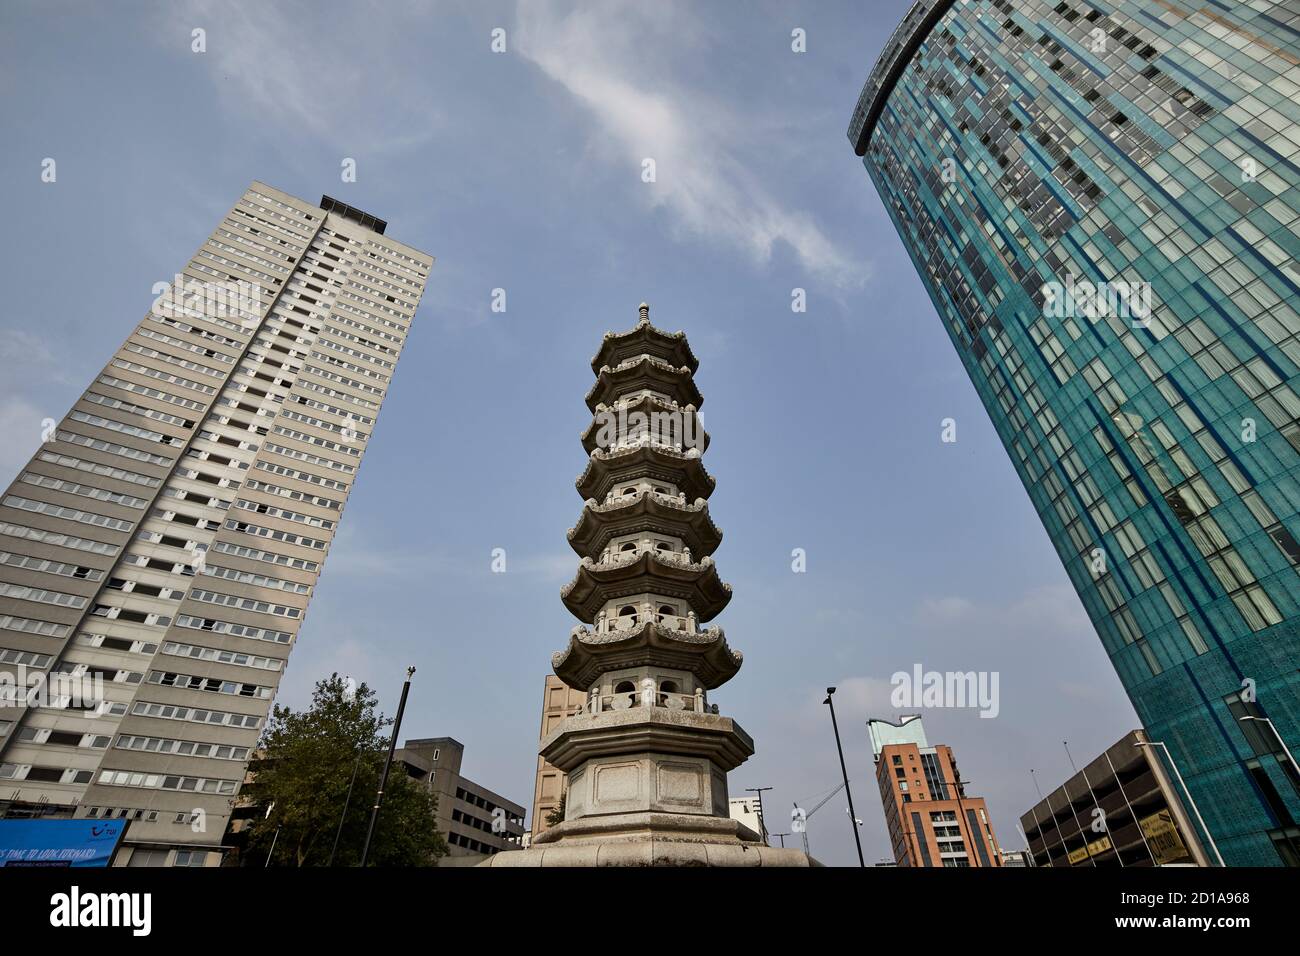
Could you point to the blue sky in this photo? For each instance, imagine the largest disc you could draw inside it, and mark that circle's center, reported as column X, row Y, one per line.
column 522, row 171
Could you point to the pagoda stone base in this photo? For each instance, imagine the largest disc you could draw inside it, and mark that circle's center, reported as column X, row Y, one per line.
column 650, row 839
column 662, row 783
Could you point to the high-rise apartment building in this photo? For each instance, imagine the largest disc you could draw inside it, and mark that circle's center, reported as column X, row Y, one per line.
column 1103, row 201
column 158, row 552
column 931, row 820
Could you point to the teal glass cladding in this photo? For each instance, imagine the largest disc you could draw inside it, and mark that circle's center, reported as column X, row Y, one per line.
column 1103, row 200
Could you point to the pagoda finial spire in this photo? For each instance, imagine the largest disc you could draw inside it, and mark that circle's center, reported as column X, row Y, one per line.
column 645, row 314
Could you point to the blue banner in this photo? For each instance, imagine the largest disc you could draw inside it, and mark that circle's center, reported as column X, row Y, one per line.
column 59, row 842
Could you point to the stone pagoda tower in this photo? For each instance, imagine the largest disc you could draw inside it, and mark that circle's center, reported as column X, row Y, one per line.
column 648, row 757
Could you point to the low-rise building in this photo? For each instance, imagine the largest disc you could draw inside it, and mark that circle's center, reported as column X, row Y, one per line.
column 1121, row 809
column 749, row 811
column 476, row 821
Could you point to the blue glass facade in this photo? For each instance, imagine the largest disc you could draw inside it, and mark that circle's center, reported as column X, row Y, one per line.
column 1103, row 200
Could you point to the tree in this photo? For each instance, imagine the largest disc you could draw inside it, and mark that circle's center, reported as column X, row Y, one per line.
column 556, row 814
column 306, row 761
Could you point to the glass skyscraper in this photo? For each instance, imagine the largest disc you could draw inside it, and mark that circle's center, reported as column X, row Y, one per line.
column 1103, row 200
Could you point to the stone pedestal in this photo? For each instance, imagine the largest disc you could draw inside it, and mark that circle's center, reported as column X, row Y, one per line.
column 646, row 760
column 651, row 839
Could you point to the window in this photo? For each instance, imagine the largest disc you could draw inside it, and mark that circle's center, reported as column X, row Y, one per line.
column 141, row 857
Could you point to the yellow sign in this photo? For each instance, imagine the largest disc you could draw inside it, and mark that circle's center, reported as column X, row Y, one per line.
column 1162, row 836
column 1095, row 848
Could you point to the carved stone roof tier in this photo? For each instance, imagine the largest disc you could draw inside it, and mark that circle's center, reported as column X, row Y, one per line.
column 644, row 372
column 607, row 470
column 657, row 730
column 591, row 654
column 675, row 422
column 645, row 338
column 645, row 511
column 656, row 572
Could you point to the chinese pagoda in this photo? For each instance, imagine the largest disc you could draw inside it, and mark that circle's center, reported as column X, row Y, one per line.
column 647, row 757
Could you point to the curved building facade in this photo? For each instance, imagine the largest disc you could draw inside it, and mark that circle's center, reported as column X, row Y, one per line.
column 1103, row 201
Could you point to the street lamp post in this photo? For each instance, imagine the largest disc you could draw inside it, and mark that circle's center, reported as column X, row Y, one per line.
column 1196, row 810
column 853, row 817
column 1285, row 749
column 388, row 762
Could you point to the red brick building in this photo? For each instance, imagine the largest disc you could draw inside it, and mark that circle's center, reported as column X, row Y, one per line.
column 931, row 820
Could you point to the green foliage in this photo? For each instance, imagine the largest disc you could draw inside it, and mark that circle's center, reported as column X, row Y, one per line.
column 308, row 758
column 557, row 812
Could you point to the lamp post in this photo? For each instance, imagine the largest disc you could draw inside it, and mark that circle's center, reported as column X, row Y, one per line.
column 853, row 817
column 1286, row 750
column 388, row 762
column 1196, row 810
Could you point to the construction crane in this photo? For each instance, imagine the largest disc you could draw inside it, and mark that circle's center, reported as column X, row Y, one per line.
column 799, row 818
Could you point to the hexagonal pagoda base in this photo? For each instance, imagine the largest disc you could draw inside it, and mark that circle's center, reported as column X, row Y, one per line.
column 648, row 787
column 651, row 839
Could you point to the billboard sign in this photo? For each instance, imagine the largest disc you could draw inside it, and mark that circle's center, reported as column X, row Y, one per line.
column 59, row 842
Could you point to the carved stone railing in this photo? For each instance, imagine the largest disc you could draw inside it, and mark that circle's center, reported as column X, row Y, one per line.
column 630, row 555
column 628, row 700
column 615, row 500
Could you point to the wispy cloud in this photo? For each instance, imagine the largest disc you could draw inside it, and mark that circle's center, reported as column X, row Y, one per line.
column 602, row 55
column 291, row 63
